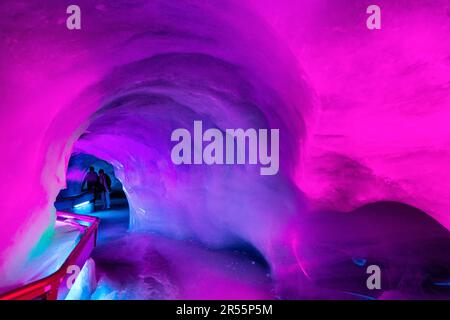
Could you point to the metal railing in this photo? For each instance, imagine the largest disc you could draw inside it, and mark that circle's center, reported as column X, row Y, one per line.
column 54, row 286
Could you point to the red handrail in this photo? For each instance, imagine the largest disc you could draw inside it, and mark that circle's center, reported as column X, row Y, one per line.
column 50, row 287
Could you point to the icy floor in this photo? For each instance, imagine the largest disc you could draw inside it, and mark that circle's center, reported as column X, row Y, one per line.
column 43, row 264
column 147, row 266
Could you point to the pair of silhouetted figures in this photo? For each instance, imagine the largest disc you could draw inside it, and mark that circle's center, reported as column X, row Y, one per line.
column 98, row 184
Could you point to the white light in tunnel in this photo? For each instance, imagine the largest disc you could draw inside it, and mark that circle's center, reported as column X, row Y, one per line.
column 81, row 204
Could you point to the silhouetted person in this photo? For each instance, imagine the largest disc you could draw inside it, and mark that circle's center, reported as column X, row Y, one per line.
column 104, row 186
column 90, row 180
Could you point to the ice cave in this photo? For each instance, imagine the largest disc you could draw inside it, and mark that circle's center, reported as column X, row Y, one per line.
column 364, row 147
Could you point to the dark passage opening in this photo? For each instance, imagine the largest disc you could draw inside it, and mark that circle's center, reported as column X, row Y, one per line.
column 79, row 198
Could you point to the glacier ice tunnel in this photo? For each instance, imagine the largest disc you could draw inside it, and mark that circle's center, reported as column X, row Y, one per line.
column 364, row 147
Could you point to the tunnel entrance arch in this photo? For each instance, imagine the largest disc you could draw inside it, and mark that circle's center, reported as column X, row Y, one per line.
column 78, row 198
column 127, row 110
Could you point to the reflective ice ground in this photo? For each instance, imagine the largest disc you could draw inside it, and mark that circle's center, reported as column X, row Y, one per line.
column 44, row 261
column 149, row 266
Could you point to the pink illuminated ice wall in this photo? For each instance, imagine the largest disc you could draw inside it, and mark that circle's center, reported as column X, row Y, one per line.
column 363, row 117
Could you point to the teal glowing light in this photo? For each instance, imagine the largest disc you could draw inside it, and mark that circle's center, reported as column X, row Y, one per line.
column 81, row 204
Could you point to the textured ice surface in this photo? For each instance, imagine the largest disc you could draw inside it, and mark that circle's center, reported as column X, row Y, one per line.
column 85, row 284
column 150, row 266
column 144, row 266
column 47, row 260
column 134, row 265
